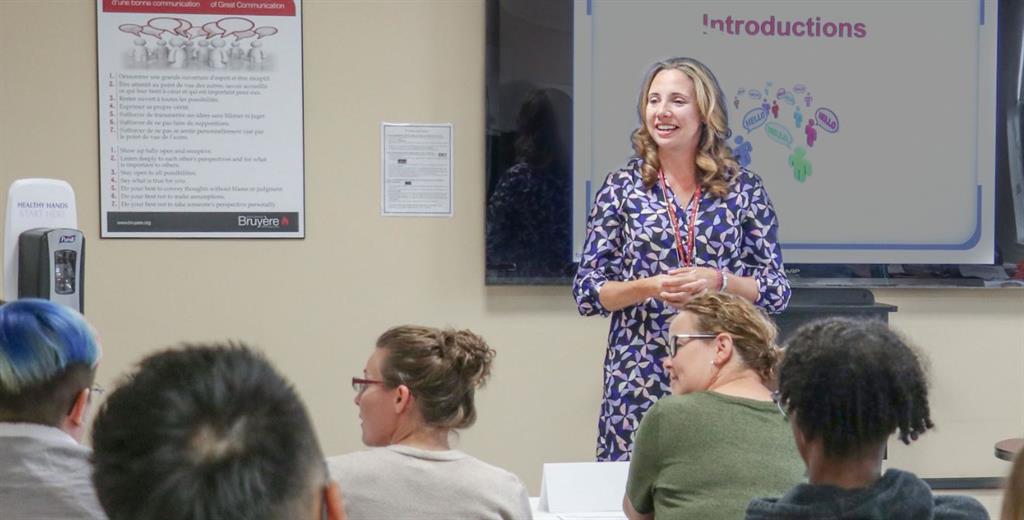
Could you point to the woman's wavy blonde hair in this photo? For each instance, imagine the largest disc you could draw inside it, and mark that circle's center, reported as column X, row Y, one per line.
column 714, row 159
column 753, row 333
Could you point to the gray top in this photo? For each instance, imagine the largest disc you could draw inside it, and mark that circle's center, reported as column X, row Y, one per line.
column 399, row 482
column 45, row 475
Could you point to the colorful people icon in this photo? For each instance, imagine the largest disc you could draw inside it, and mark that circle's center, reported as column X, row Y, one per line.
column 775, row 109
column 808, row 98
column 801, row 166
column 736, row 102
column 798, row 117
column 742, row 151
column 812, row 133
column 766, row 107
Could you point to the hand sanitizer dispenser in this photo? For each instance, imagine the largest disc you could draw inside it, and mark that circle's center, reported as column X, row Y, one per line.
column 51, row 264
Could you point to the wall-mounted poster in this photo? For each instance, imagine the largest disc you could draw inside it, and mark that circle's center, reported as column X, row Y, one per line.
column 200, row 118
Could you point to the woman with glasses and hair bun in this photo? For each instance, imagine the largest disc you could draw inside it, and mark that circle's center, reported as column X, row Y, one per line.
column 417, row 389
column 719, row 439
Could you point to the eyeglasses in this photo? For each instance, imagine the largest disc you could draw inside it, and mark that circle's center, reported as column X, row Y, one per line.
column 678, row 341
column 777, row 399
column 359, row 384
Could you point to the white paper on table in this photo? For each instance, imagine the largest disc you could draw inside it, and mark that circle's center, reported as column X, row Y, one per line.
column 583, row 487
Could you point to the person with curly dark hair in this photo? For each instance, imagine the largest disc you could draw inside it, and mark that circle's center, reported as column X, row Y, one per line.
column 846, row 386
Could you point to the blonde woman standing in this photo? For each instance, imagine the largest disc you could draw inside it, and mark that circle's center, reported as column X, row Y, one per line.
column 680, row 219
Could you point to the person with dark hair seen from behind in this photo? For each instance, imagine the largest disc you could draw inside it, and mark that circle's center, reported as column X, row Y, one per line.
column 847, row 386
column 529, row 213
column 210, row 433
column 418, row 388
column 48, row 360
column 718, row 440
column 682, row 217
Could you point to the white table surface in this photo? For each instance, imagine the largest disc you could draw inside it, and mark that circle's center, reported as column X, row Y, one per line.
column 544, row 515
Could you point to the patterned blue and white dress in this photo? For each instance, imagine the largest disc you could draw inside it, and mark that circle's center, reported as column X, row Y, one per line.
column 629, row 236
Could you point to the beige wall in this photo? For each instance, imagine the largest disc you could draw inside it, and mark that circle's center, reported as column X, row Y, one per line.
column 316, row 305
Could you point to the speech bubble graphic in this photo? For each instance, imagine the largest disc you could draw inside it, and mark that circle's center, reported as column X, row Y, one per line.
column 754, row 94
column 799, row 88
column 164, row 23
column 741, row 91
column 234, row 24
column 151, row 31
column 779, row 134
column 243, row 35
column 827, row 120
column 266, row 31
column 754, row 118
column 183, row 26
column 195, row 32
column 212, row 29
column 131, row 28
column 788, row 99
column 779, row 93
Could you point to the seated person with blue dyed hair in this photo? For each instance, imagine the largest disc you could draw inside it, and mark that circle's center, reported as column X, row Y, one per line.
column 48, row 358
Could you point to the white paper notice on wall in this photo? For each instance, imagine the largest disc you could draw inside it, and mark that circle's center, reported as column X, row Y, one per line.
column 583, row 487
column 416, row 170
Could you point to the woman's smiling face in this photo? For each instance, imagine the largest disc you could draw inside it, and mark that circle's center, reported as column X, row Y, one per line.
column 672, row 116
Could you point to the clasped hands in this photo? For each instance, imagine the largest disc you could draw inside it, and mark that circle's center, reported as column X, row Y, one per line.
column 679, row 285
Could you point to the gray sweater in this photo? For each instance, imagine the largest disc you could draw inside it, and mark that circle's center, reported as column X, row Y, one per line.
column 45, row 475
column 399, row 483
column 897, row 495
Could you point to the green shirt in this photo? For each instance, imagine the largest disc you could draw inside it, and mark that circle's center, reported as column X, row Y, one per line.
column 706, row 455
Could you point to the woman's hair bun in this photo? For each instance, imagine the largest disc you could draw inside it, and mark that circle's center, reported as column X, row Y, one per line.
column 469, row 354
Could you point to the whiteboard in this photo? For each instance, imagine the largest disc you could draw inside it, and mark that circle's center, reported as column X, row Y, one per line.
column 901, row 94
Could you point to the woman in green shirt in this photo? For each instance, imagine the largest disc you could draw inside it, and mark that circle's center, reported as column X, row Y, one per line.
column 719, row 440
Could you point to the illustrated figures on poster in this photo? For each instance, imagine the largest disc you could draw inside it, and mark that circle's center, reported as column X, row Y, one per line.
column 201, row 45
column 218, row 55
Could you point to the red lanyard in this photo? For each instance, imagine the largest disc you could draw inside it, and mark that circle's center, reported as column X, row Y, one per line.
column 687, row 256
